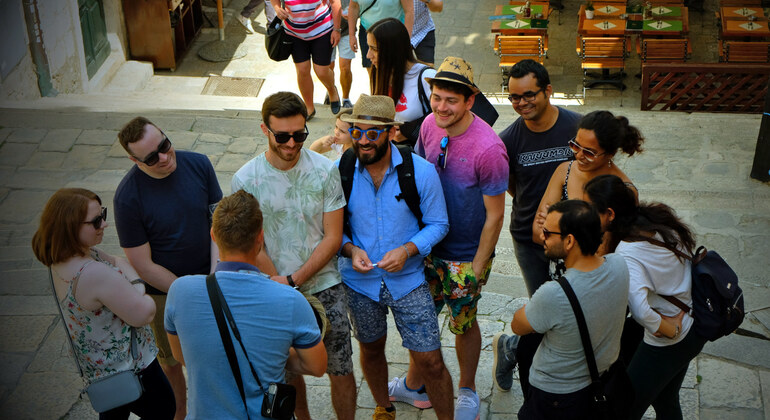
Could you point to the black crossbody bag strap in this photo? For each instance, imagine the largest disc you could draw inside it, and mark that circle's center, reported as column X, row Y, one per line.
column 585, row 338
column 367, row 8
column 219, row 305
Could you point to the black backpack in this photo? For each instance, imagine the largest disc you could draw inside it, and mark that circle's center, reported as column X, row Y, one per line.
column 717, row 300
column 406, row 182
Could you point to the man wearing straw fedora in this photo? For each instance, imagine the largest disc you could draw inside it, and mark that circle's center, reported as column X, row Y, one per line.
column 384, row 246
column 473, row 167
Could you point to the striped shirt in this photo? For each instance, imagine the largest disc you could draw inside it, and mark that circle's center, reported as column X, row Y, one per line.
column 308, row 19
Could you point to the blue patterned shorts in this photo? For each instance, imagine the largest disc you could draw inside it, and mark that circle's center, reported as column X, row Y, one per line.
column 415, row 317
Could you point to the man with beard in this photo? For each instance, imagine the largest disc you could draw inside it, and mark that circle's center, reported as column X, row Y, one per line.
column 383, row 269
column 302, row 202
column 536, row 143
column 559, row 378
column 473, row 167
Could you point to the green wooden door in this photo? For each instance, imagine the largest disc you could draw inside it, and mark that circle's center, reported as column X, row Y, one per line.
column 95, row 43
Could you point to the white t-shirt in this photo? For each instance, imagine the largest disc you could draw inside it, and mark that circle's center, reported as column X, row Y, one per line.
column 409, row 107
column 655, row 271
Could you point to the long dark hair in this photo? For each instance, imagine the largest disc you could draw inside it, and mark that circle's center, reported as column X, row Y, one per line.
column 394, row 51
column 633, row 222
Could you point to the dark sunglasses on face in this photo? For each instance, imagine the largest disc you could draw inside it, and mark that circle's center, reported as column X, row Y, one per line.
column 547, row 233
column 589, row 154
column 528, row 96
column 442, row 157
column 281, row 138
column 97, row 221
column 153, row 157
column 371, row 134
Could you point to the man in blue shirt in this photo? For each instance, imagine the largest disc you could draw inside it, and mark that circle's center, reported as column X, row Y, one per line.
column 272, row 319
column 383, row 268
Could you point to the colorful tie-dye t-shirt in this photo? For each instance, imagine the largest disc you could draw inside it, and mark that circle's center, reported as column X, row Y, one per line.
column 477, row 165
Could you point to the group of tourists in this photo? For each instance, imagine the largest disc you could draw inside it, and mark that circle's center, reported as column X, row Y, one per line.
column 309, row 251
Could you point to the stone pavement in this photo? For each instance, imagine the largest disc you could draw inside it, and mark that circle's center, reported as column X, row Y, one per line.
column 697, row 163
column 702, row 174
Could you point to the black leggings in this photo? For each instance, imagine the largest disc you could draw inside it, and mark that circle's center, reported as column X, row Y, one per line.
column 157, row 400
column 657, row 374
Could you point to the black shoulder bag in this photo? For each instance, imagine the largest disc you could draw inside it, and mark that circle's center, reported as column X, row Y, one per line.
column 279, row 399
column 277, row 42
column 613, row 394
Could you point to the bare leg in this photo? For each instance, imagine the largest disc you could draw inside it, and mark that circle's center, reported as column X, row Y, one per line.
column 438, row 383
column 326, row 76
column 305, row 84
column 346, row 77
column 413, row 378
column 375, row 367
column 344, row 396
column 175, row 377
column 468, row 347
column 301, row 411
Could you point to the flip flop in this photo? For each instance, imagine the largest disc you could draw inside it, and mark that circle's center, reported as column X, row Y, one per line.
column 310, row 116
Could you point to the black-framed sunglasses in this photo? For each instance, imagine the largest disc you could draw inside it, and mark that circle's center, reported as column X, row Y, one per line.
column 547, row 233
column 528, row 96
column 281, row 138
column 153, row 157
column 442, row 157
column 589, row 154
column 371, row 134
column 97, row 221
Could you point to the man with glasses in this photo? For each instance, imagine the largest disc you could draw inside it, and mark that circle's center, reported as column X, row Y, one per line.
column 536, row 144
column 560, row 384
column 303, row 205
column 162, row 214
column 383, row 269
column 473, row 167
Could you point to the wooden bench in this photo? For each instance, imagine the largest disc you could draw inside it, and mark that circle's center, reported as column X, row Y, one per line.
column 744, row 52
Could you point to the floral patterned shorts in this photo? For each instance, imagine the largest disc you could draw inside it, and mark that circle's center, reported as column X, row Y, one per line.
column 453, row 283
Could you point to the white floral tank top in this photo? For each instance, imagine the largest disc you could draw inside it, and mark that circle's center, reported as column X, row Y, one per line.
column 102, row 341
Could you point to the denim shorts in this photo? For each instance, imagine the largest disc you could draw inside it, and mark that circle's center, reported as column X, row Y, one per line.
column 453, row 283
column 414, row 314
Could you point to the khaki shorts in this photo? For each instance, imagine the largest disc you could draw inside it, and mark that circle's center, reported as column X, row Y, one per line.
column 161, row 340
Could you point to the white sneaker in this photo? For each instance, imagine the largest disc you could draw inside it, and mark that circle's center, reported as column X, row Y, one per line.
column 467, row 406
column 246, row 22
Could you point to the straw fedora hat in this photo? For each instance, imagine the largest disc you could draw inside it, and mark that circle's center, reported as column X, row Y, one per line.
column 456, row 70
column 373, row 110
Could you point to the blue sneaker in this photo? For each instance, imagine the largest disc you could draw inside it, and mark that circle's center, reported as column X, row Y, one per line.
column 397, row 391
column 467, row 406
column 504, row 348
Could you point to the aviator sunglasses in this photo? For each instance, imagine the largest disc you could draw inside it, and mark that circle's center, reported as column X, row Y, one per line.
column 281, row 138
column 97, row 221
column 153, row 157
column 589, row 154
column 371, row 134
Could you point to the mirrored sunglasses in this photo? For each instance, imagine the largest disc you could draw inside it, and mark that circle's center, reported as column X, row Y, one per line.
column 442, row 157
column 371, row 134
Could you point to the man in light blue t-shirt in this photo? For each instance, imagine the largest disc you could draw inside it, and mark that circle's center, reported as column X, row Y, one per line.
column 272, row 318
column 559, row 379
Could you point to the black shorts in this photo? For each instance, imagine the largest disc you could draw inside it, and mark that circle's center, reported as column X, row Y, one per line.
column 364, row 47
column 426, row 49
column 320, row 49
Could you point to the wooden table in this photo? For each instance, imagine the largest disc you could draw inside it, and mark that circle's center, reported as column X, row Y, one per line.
column 741, row 13
column 735, row 23
column 673, row 20
column 521, row 26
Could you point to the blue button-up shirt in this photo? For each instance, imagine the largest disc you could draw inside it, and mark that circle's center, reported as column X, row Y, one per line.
column 380, row 223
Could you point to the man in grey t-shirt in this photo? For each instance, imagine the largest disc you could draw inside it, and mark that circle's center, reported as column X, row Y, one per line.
column 559, row 379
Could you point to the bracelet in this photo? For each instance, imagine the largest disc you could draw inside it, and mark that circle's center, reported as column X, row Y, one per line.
column 137, row 281
column 676, row 332
column 291, row 282
column 406, row 250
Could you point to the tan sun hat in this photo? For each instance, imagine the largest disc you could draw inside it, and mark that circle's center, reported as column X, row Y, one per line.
column 456, row 70
column 373, row 110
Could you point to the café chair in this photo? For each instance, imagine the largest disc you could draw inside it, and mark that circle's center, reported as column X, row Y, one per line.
column 739, row 3
column 515, row 48
column 744, row 52
column 605, row 54
column 652, row 50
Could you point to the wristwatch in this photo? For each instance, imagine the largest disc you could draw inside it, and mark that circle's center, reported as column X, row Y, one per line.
column 338, row 30
column 291, row 282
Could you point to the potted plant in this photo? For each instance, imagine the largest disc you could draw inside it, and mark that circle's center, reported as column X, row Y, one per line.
column 589, row 9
